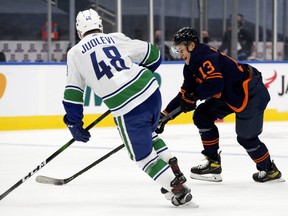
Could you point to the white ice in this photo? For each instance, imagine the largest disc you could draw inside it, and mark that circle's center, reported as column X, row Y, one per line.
column 117, row 187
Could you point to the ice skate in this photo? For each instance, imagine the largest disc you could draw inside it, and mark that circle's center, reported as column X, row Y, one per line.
column 176, row 181
column 173, row 163
column 268, row 175
column 210, row 170
column 181, row 193
column 182, row 196
column 168, row 194
column 179, row 178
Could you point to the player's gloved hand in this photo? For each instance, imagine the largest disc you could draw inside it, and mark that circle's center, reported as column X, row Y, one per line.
column 188, row 102
column 161, row 124
column 77, row 131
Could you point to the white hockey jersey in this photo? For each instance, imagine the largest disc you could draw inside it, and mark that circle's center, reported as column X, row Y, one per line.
column 111, row 65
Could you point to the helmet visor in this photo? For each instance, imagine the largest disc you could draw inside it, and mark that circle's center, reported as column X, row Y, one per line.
column 174, row 49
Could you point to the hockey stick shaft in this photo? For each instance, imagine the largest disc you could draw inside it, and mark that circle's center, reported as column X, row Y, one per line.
column 41, row 165
column 171, row 114
column 56, row 181
column 96, row 162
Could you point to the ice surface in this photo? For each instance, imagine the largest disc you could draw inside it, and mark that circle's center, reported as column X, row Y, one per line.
column 117, row 187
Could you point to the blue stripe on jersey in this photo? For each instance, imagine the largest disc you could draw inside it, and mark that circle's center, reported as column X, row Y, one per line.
column 128, row 83
column 136, row 96
column 75, row 87
column 147, row 54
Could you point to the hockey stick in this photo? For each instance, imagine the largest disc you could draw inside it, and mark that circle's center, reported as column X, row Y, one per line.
column 169, row 115
column 41, row 165
column 55, row 181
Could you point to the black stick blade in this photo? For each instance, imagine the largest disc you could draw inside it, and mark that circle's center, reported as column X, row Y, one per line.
column 48, row 180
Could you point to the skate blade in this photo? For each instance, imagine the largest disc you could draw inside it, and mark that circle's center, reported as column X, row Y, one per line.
column 192, row 204
column 207, row 177
column 169, row 195
column 188, row 203
column 276, row 180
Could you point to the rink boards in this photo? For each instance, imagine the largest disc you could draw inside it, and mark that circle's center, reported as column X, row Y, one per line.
column 31, row 94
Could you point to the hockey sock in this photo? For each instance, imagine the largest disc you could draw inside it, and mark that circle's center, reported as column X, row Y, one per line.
column 210, row 141
column 157, row 169
column 257, row 151
column 161, row 149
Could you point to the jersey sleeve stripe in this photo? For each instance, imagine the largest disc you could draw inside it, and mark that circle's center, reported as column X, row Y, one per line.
column 73, row 95
column 146, row 55
column 152, row 56
column 74, row 87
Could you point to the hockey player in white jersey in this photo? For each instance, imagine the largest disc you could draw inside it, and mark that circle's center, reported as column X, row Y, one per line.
column 119, row 70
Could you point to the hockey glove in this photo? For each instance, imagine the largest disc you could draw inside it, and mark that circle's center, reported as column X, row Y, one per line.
column 188, row 102
column 77, row 131
column 161, row 124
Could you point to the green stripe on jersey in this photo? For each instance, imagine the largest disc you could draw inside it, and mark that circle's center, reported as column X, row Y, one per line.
column 131, row 90
column 123, row 133
column 73, row 95
column 154, row 55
